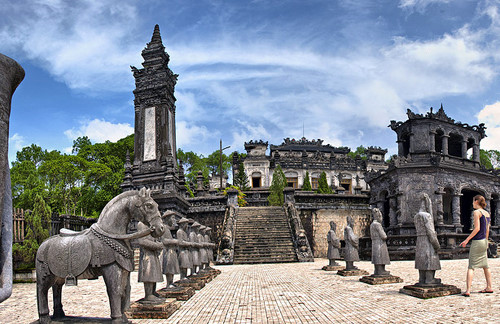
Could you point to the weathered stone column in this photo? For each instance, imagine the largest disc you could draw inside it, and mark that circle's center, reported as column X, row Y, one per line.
column 444, row 145
column 399, row 217
column 400, row 147
column 439, row 206
column 432, row 141
column 393, row 221
column 475, row 152
column 412, row 143
column 455, row 208
column 11, row 74
column 464, row 149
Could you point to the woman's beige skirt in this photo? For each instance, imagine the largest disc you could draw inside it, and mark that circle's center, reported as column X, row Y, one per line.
column 478, row 256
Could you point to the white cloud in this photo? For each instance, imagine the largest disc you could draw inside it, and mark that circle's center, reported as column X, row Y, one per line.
column 246, row 132
column 490, row 116
column 99, row 131
column 419, row 5
column 190, row 135
column 16, row 142
column 86, row 44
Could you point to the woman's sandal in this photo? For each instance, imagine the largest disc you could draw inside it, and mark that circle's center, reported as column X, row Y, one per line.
column 466, row 294
column 484, row 291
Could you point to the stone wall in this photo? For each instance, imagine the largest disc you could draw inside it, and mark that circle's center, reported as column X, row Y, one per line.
column 319, row 225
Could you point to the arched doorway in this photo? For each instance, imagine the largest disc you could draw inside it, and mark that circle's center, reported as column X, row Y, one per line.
column 256, row 180
column 385, row 210
column 466, row 209
column 447, row 211
column 493, row 209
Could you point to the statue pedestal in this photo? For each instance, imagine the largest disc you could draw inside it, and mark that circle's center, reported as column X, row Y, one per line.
column 430, row 292
column 194, row 283
column 380, row 280
column 179, row 292
column 216, row 272
column 206, row 276
column 349, row 273
column 153, row 310
column 332, row 268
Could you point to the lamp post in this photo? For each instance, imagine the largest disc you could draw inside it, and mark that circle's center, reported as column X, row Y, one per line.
column 220, row 165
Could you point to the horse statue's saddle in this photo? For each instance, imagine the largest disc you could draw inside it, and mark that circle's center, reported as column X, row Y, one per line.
column 69, row 254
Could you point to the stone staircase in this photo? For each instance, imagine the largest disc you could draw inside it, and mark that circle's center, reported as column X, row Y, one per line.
column 263, row 236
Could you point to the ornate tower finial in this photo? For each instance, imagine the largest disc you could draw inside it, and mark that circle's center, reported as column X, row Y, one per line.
column 156, row 38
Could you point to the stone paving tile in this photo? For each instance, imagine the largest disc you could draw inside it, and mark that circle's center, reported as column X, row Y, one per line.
column 290, row 293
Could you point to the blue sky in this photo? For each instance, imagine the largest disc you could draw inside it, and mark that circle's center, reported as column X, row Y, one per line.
column 335, row 70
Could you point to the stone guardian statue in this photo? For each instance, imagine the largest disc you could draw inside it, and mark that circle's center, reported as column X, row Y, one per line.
column 351, row 245
column 333, row 253
column 149, row 265
column 380, row 254
column 195, row 249
column 185, row 261
column 170, row 264
column 427, row 246
column 11, row 75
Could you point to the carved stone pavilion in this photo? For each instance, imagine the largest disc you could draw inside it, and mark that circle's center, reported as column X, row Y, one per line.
column 344, row 174
column 440, row 157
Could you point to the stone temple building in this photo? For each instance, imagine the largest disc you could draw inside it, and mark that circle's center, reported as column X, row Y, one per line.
column 440, row 157
column 344, row 174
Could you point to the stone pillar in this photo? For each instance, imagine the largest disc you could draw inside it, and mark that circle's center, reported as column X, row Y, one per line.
column 475, row 152
column 455, row 209
column 412, row 143
column 464, row 149
column 393, row 221
column 439, row 206
column 399, row 217
column 400, row 147
column 445, row 144
column 288, row 194
column 232, row 197
column 432, row 141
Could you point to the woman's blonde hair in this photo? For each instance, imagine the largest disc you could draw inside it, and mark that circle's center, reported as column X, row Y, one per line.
column 480, row 200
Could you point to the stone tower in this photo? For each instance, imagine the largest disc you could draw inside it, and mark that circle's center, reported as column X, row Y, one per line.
column 155, row 147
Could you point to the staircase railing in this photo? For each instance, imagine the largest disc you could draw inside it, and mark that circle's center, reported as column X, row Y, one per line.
column 225, row 250
column 300, row 241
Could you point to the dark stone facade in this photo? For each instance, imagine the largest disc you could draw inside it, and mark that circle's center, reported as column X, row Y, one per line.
column 432, row 158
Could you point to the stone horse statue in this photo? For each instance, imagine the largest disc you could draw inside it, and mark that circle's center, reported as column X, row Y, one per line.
column 103, row 249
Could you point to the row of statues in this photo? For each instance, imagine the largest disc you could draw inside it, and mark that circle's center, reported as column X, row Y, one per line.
column 191, row 250
column 426, row 253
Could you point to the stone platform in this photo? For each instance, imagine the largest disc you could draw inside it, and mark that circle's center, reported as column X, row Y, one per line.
column 155, row 311
column 380, row 280
column 286, row 293
column 351, row 273
column 194, row 283
column 179, row 293
column 333, row 268
column 430, row 292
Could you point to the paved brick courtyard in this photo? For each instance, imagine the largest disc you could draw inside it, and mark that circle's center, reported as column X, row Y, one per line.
column 290, row 293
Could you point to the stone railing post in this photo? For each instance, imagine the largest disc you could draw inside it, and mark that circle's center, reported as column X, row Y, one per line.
column 300, row 241
column 11, row 75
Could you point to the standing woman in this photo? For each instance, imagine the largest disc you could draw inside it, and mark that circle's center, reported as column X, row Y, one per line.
column 478, row 257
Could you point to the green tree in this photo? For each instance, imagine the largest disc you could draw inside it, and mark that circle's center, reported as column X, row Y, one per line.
column 490, row 159
column 323, row 187
column 360, row 151
column 241, row 180
column 276, row 189
column 38, row 224
column 307, row 183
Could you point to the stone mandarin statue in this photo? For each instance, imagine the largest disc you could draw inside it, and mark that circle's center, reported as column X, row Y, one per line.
column 195, row 247
column 149, row 265
column 11, row 75
column 351, row 245
column 427, row 247
column 184, row 244
column 380, row 255
column 170, row 257
column 333, row 245
column 203, row 250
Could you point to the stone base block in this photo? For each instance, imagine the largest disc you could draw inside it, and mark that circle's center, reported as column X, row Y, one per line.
column 349, row 273
column 380, row 280
column 430, row 292
column 212, row 270
column 191, row 282
column 179, row 292
column 332, row 268
column 203, row 276
column 156, row 311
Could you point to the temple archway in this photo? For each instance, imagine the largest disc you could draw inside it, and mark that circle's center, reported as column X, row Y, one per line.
column 256, row 180
column 447, row 211
column 466, row 209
